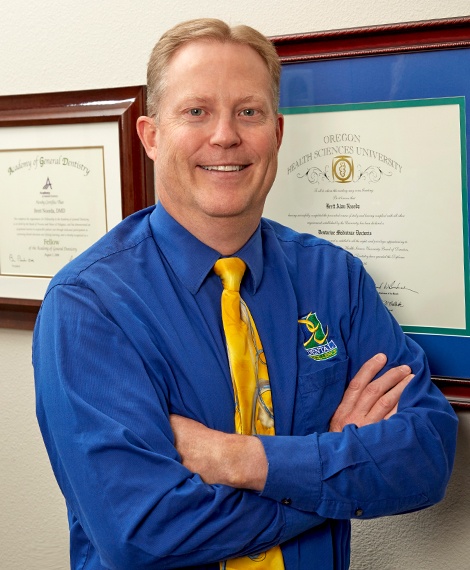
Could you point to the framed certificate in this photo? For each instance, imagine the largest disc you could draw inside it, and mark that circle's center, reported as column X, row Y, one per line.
column 71, row 167
column 375, row 158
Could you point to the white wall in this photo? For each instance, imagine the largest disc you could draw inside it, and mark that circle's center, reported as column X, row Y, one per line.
column 60, row 45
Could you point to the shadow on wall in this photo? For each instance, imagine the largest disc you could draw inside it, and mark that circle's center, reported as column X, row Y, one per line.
column 434, row 539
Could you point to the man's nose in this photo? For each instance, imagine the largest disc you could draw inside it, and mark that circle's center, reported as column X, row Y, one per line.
column 225, row 133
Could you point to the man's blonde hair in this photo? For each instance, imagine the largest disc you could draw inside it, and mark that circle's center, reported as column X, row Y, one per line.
column 206, row 29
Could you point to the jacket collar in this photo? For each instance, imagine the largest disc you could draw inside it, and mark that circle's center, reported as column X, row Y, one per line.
column 192, row 260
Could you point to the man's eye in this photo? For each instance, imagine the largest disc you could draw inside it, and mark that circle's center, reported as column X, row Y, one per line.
column 195, row 112
column 248, row 112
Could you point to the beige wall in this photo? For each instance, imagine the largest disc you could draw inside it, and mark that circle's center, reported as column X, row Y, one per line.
column 60, row 45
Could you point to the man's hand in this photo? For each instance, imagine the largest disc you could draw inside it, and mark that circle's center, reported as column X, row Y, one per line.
column 228, row 459
column 366, row 402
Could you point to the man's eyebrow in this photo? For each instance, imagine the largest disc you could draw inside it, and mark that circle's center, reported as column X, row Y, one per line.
column 194, row 99
column 252, row 99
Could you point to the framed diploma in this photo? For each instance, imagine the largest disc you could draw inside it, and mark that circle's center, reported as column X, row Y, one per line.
column 71, row 167
column 375, row 159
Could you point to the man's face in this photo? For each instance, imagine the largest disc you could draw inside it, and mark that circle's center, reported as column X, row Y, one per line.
column 217, row 134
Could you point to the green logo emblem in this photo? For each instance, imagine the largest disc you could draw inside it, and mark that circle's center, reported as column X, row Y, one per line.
column 317, row 344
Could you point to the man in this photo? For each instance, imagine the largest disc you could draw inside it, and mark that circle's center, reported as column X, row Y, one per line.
column 134, row 393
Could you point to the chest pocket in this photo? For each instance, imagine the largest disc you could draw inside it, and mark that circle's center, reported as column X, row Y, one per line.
column 319, row 393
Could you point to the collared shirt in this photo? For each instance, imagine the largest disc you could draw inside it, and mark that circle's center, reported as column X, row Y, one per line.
column 131, row 331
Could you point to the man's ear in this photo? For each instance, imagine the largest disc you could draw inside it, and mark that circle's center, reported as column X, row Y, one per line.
column 279, row 130
column 147, row 131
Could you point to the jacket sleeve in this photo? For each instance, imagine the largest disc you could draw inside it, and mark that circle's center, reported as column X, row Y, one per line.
column 394, row 466
column 106, row 428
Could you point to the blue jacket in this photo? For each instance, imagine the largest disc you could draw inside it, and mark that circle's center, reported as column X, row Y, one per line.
column 131, row 331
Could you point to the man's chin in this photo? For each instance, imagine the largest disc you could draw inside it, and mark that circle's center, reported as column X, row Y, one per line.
column 232, row 212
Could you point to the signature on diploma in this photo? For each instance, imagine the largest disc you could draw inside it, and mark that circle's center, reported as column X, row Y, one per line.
column 393, row 304
column 393, row 286
column 20, row 259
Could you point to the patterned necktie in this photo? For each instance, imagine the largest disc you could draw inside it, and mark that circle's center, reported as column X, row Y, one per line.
column 253, row 403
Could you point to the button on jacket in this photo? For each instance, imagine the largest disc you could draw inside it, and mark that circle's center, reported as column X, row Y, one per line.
column 131, row 331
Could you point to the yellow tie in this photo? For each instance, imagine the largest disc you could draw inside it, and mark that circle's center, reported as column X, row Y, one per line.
column 249, row 371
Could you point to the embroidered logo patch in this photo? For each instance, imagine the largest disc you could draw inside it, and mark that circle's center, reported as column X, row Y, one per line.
column 317, row 344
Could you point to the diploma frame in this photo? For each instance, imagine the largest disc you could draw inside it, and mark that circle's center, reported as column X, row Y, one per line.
column 405, row 38
column 122, row 105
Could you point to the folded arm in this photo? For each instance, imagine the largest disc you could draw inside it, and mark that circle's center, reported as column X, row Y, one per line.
column 240, row 461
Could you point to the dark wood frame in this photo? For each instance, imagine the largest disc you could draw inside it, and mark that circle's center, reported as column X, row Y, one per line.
column 381, row 40
column 375, row 40
column 122, row 105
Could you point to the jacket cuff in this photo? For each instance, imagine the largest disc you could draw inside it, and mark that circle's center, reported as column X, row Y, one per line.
column 294, row 470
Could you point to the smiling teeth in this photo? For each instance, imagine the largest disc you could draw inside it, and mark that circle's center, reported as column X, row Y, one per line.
column 225, row 168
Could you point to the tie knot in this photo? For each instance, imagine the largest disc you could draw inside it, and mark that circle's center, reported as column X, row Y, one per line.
column 230, row 270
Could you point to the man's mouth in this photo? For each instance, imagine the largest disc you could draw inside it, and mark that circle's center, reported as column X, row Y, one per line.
column 225, row 167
